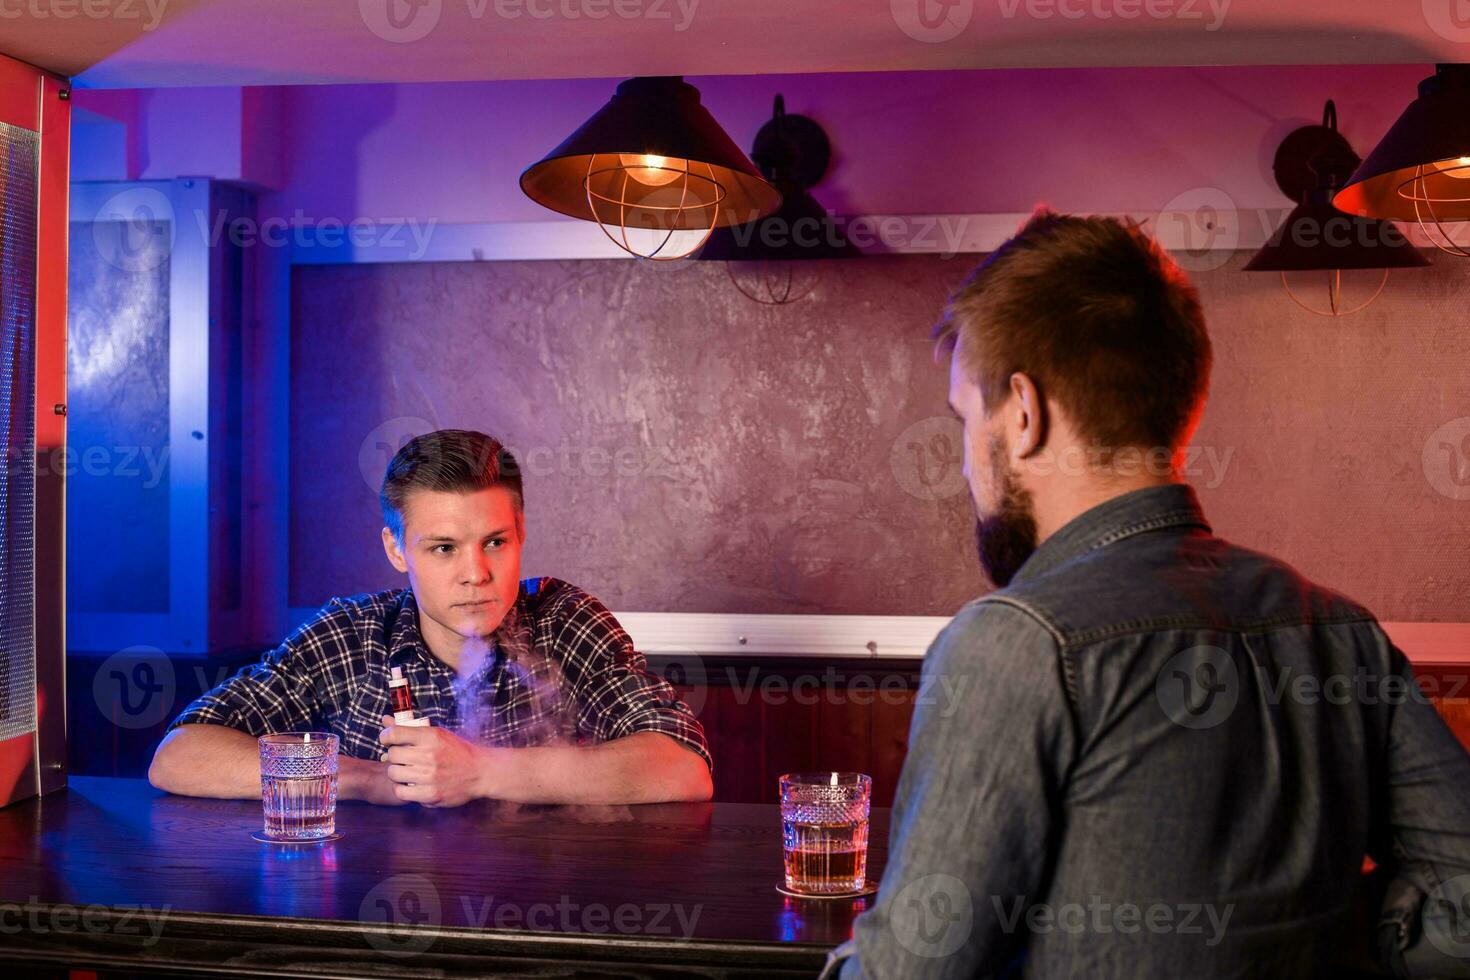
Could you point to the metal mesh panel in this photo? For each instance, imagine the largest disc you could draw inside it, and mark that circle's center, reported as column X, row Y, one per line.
column 19, row 155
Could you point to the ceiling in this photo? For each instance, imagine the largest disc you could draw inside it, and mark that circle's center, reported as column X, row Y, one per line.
column 156, row 43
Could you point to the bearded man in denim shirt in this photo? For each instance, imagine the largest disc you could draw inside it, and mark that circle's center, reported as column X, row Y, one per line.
column 1149, row 775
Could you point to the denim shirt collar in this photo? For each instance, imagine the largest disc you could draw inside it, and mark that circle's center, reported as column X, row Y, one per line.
column 1147, row 509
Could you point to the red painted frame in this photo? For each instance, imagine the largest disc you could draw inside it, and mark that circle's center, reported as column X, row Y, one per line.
column 33, row 99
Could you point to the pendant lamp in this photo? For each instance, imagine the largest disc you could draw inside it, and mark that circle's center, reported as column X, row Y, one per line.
column 1420, row 170
column 652, row 162
column 792, row 152
column 1310, row 166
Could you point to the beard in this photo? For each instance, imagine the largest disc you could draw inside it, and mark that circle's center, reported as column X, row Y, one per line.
column 1006, row 538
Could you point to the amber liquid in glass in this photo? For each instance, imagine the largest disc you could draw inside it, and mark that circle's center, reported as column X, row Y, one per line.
column 825, row 858
column 300, row 807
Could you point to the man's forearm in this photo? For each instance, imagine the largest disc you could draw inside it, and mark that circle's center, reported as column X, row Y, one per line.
column 207, row 760
column 645, row 767
column 224, row 763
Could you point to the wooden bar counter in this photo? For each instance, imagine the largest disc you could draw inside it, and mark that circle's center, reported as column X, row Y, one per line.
column 113, row 874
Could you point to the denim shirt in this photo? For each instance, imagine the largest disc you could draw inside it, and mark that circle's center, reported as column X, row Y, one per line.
column 1157, row 754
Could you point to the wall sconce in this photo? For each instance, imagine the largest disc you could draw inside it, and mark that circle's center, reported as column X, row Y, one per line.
column 792, row 152
column 652, row 159
column 1420, row 170
column 1310, row 166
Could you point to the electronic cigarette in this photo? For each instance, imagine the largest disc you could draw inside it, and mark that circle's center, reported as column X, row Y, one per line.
column 403, row 713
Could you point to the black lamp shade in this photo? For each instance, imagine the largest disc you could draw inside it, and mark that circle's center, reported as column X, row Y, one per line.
column 800, row 229
column 692, row 177
column 1434, row 130
column 1318, row 236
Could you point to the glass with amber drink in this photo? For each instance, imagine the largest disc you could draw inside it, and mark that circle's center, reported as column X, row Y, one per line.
column 298, row 787
column 824, row 831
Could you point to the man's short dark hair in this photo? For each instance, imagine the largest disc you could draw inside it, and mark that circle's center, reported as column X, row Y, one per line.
column 450, row 461
column 1099, row 316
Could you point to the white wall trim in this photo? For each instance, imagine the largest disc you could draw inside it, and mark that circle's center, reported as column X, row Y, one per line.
column 896, row 637
column 1197, row 230
column 909, row 636
column 782, row 635
column 1432, row 643
column 416, row 240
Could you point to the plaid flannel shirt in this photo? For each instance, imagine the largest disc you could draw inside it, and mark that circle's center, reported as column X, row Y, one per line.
column 561, row 669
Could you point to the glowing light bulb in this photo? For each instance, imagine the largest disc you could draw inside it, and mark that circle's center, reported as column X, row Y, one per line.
column 651, row 169
column 1459, row 167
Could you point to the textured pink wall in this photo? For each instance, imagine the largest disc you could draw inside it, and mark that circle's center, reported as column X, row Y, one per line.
column 688, row 450
column 685, row 449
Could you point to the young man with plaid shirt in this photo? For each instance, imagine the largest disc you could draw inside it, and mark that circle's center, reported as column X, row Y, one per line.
column 534, row 691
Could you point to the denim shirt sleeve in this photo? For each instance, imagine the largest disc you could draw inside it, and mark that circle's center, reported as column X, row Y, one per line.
column 977, row 805
column 1424, row 839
